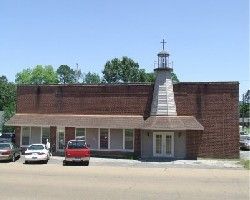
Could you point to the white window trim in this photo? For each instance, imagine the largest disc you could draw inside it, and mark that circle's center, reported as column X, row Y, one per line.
column 172, row 144
column 99, row 143
column 109, row 139
column 41, row 141
column 41, row 134
column 85, row 133
column 125, row 138
column 99, row 139
column 58, row 129
column 21, row 139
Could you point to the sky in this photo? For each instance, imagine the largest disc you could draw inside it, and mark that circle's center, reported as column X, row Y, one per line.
column 207, row 40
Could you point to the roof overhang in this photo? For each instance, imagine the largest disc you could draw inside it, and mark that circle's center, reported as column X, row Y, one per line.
column 172, row 123
column 107, row 121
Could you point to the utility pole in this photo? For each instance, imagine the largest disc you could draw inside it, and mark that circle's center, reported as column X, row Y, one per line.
column 243, row 113
column 77, row 73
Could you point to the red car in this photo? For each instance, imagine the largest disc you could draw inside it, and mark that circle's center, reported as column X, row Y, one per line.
column 77, row 151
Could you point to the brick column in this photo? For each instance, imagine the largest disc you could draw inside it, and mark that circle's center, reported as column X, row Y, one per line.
column 18, row 135
column 137, row 143
column 193, row 139
column 69, row 134
column 53, row 138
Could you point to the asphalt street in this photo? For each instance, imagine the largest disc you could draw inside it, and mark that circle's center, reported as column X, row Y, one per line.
column 54, row 181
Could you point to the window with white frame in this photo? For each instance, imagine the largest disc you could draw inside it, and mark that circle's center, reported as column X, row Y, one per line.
column 35, row 135
column 80, row 133
column 45, row 134
column 129, row 139
column 104, row 138
column 25, row 135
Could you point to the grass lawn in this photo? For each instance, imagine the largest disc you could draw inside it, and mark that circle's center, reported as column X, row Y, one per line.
column 245, row 163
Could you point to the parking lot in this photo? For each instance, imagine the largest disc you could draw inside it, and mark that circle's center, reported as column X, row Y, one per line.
column 200, row 163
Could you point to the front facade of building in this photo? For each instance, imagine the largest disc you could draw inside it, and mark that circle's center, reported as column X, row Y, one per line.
column 160, row 120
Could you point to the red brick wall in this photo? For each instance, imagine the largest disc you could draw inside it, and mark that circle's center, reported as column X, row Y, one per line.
column 193, row 139
column 215, row 105
column 53, row 138
column 76, row 99
column 17, row 135
column 137, row 143
column 69, row 134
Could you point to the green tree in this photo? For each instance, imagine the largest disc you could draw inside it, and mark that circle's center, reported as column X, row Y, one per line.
column 126, row 70
column 7, row 100
column 24, row 77
column 37, row 75
column 245, row 110
column 92, row 78
column 174, row 78
column 66, row 74
column 111, row 72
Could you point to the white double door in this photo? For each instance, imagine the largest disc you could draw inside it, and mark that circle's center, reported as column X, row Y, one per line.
column 163, row 144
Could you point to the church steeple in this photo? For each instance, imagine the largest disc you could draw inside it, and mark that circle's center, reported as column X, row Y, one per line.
column 163, row 57
column 163, row 98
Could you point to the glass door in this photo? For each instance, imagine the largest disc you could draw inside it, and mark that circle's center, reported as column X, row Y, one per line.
column 60, row 142
column 168, row 145
column 163, row 144
column 158, row 147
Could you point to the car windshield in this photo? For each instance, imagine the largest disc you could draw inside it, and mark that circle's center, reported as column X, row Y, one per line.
column 36, row 147
column 4, row 146
column 4, row 135
column 76, row 145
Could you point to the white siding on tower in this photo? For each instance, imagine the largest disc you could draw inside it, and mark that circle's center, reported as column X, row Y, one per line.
column 163, row 98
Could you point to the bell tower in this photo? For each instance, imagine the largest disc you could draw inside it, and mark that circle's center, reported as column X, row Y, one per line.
column 163, row 98
column 163, row 57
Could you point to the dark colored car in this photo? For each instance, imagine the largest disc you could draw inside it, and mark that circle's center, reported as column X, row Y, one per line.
column 7, row 137
column 9, row 151
column 245, row 143
column 77, row 151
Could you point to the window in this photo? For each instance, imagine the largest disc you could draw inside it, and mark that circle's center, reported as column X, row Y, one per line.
column 35, row 136
column 36, row 147
column 80, row 133
column 25, row 135
column 104, row 134
column 45, row 134
column 76, row 144
column 116, row 139
column 129, row 139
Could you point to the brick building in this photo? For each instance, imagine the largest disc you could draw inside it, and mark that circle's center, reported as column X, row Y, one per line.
column 181, row 121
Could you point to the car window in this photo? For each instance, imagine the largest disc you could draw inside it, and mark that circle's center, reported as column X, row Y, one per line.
column 4, row 146
column 76, row 145
column 36, row 147
column 4, row 135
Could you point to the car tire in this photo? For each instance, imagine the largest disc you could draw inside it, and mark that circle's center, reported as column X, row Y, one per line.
column 13, row 158
column 86, row 163
column 65, row 163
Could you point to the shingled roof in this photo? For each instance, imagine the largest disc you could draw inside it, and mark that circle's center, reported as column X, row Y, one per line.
column 107, row 121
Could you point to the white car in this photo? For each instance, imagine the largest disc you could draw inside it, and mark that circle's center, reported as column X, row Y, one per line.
column 37, row 152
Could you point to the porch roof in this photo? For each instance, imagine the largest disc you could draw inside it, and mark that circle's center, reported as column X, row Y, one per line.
column 107, row 121
column 172, row 123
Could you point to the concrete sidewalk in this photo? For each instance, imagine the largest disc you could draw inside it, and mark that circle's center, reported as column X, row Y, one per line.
column 200, row 163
